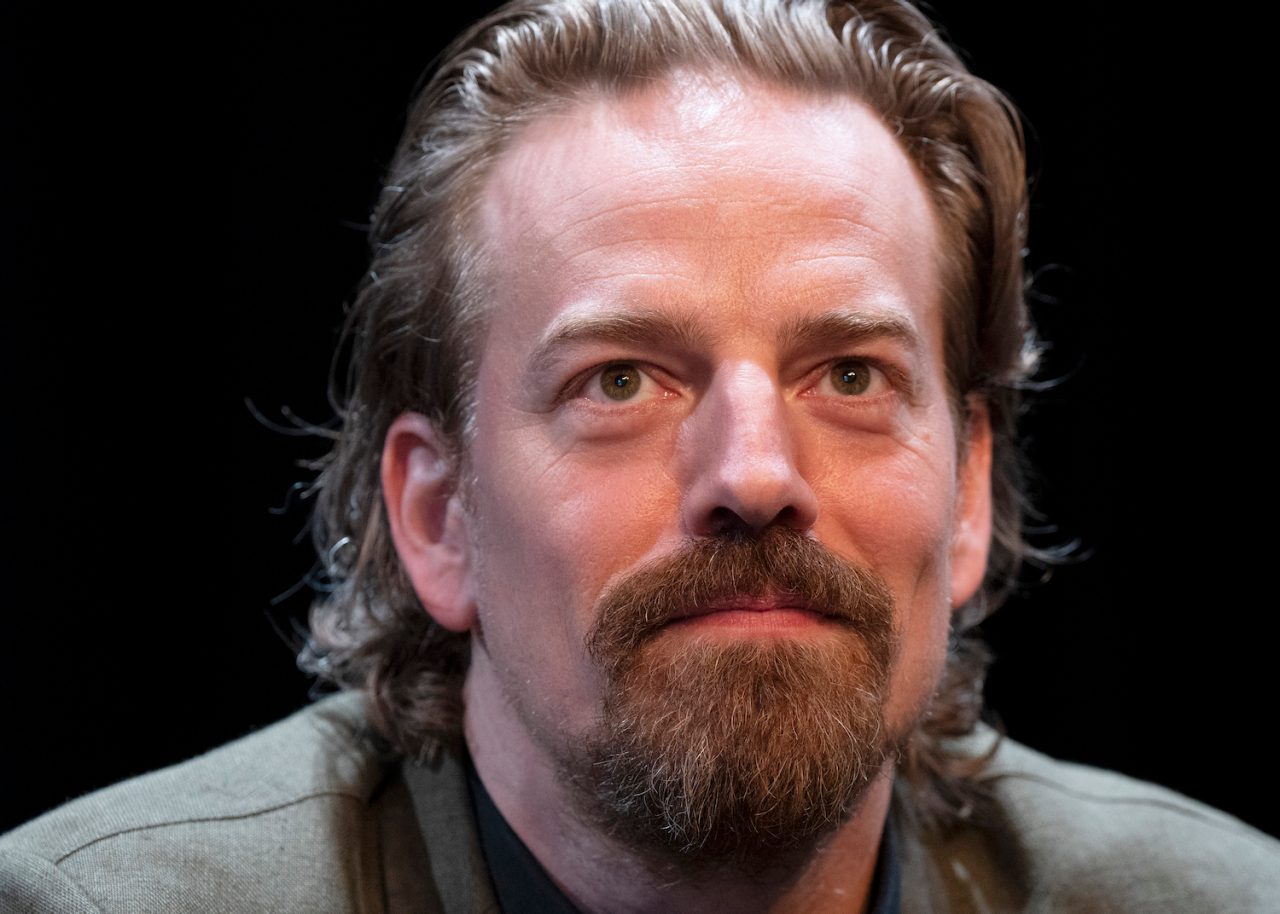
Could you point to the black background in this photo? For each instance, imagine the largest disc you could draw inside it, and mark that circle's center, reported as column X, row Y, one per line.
column 182, row 209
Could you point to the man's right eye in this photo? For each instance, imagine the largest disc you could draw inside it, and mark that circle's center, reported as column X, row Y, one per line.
column 620, row 382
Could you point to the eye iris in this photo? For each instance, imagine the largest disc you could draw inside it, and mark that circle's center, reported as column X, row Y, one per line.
column 621, row 382
column 851, row 377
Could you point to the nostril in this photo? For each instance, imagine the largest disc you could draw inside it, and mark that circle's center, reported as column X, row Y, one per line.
column 725, row 521
column 788, row 517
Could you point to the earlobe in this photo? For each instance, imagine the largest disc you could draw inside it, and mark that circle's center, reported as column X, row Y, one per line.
column 971, row 540
column 427, row 520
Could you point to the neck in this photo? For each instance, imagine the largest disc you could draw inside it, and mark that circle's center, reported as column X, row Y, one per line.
column 598, row 873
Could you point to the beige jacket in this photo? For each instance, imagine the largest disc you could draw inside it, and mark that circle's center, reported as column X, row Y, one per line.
column 304, row 817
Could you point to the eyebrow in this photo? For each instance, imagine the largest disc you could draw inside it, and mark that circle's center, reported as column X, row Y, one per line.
column 651, row 328
column 848, row 327
column 642, row 327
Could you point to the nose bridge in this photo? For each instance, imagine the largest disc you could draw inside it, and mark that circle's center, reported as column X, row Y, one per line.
column 746, row 469
column 751, row 415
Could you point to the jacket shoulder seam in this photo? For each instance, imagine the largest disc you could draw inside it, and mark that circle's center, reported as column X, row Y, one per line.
column 191, row 820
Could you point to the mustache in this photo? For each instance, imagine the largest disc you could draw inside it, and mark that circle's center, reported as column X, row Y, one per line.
column 779, row 562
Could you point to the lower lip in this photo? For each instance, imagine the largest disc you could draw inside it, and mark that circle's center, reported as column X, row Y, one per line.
column 755, row 620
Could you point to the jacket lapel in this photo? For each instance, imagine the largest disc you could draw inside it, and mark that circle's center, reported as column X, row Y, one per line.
column 442, row 804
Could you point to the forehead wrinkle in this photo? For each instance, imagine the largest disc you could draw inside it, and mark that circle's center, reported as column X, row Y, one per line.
column 648, row 230
column 698, row 171
column 836, row 257
column 634, row 171
column 616, row 208
column 839, row 201
column 645, row 248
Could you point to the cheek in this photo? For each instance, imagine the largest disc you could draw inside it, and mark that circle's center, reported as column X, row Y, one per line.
column 905, row 536
column 549, row 528
column 895, row 514
column 894, row 508
column 552, row 523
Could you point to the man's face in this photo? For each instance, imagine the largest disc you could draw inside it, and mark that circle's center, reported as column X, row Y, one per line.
column 716, row 314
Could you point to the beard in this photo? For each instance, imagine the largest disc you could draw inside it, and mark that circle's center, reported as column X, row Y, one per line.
column 736, row 753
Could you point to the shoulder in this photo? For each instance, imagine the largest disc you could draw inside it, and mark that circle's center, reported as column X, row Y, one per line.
column 285, row 809
column 1084, row 839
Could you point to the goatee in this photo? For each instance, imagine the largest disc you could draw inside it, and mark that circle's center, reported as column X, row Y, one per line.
column 741, row 752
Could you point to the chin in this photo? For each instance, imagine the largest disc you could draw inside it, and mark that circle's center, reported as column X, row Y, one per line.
column 740, row 754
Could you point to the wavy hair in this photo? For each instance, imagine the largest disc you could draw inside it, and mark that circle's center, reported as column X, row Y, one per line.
column 420, row 308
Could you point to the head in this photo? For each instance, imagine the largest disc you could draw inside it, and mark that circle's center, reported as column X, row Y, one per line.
column 890, row 552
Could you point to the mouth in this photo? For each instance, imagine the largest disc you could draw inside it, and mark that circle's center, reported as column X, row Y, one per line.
column 754, row 614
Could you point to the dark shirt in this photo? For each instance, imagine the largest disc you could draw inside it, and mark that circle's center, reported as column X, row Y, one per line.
column 523, row 886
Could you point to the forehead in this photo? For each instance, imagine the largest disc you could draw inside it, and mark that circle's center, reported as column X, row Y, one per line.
column 709, row 190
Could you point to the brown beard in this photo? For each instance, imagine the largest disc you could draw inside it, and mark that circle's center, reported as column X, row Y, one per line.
column 739, row 753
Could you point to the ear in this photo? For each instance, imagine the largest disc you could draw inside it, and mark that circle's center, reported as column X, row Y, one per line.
column 971, row 539
column 428, row 523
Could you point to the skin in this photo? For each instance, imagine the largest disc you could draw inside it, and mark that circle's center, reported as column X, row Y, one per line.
column 722, row 219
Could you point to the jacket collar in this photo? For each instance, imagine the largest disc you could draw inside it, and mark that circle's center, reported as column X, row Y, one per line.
column 442, row 804
column 935, row 876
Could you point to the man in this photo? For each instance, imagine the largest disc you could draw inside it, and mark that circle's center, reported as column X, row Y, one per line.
column 677, row 465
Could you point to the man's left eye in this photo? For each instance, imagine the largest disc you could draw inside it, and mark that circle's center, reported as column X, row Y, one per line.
column 854, row 378
column 620, row 382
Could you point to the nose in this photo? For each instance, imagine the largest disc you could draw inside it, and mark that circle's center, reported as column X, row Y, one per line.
column 742, row 460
